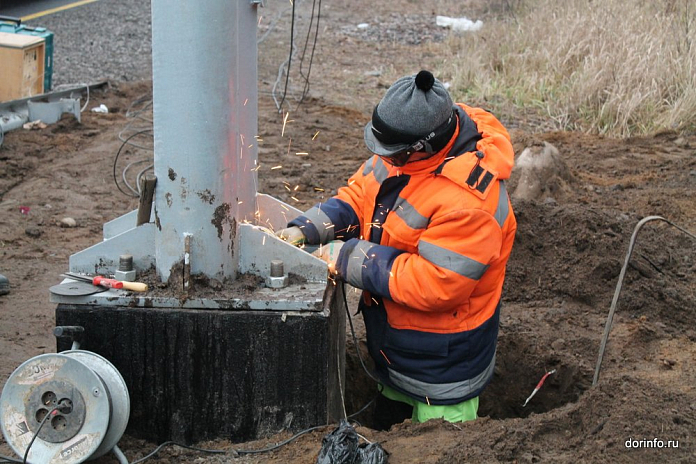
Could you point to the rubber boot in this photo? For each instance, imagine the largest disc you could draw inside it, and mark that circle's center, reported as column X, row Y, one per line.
column 4, row 285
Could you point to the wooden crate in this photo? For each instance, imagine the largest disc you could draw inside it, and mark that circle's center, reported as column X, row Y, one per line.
column 22, row 61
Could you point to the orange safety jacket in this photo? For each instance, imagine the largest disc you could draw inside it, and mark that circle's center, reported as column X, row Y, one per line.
column 428, row 243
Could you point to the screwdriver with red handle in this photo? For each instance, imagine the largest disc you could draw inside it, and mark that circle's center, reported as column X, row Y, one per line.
column 97, row 280
column 118, row 284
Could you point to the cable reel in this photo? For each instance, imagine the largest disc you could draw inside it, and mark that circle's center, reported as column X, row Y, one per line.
column 85, row 396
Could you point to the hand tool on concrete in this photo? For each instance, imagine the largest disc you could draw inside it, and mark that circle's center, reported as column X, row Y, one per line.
column 132, row 286
column 95, row 280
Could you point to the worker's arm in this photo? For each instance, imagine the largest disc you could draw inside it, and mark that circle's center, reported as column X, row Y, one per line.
column 453, row 253
column 338, row 217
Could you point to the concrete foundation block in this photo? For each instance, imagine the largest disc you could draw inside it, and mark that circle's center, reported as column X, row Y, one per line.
column 195, row 375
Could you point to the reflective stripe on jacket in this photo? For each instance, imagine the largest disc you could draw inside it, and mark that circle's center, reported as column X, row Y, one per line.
column 429, row 242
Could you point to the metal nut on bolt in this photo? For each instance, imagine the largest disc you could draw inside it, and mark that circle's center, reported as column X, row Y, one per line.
column 276, row 282
column 277, row 277
column 125, row 271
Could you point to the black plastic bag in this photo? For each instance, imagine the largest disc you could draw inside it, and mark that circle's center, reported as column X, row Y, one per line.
column 341, row 447
column 372, row 453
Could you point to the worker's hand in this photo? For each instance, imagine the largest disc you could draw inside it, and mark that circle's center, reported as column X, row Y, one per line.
column 292, row 235
column 329, row 253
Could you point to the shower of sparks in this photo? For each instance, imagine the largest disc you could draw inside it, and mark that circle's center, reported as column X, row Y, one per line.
column 315, row 135
column 318, row 189
column 285, row 121
column 240, row 202
column 295, row 189
column 295, row 199
column 287, row 188
column 246, row 101
column 277, row 167
column 302, row 153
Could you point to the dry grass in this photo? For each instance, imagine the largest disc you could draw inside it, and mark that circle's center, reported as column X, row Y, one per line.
column 618, row 67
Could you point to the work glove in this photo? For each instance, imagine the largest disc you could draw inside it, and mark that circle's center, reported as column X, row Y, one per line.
column 329, row 254
column 292, row 235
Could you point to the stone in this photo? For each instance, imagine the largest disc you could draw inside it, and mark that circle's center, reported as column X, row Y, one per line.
column 34, row 232
column 541, row 173
column 68, row 222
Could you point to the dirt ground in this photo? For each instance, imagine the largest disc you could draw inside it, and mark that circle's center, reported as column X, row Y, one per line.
column 568, row 253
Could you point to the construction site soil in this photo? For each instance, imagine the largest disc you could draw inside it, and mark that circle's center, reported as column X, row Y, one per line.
column 573, row 235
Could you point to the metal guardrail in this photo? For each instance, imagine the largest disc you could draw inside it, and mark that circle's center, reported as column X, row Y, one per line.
column 15, row 113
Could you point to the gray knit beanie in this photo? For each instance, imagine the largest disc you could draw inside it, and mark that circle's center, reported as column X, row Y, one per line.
column 413, row 107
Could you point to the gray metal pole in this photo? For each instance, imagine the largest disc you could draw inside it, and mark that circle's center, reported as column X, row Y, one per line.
column 204, row 58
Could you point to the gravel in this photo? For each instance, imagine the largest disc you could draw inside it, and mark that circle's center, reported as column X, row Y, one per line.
column 398, row 28
column 100, row 40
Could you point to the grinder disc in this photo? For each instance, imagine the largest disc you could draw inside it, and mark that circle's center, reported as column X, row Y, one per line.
column 75, row 289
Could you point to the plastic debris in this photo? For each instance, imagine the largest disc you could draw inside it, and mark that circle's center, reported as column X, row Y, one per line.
column 34, row 125
column 341, row 447
column 100, row 109
column 459, row 24
column 372, row 453
column 538, row 387
column 363, row 26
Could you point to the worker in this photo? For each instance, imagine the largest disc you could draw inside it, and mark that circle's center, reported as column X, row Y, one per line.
column 425, row 228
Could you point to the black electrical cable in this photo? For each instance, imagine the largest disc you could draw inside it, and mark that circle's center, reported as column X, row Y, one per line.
column 309, row 33
column 282, row 443
column 364, row 408
column 617, row 291
column 36, row 434
column 292, row 42
column 355, row 339
column 305, row 90
column 123, row 144
column 173, row 443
